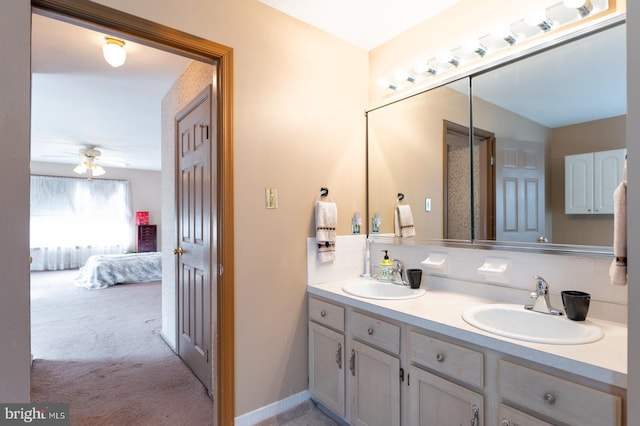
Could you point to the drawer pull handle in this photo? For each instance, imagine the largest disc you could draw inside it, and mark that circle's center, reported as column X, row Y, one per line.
column 352, row 362
column 475, row 412
column 323, row 314
column 339, row 356
column 370, row 331
column 440, row 357
column 549, row 399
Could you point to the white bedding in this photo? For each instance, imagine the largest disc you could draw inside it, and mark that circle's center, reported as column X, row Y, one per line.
column 101, row 271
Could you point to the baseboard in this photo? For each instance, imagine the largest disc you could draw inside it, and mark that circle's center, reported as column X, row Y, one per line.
column 271, row 410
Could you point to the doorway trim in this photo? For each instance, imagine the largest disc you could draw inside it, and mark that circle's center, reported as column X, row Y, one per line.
column 103, row 18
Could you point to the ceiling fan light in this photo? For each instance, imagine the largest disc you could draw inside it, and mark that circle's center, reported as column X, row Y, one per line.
column 80, row 168
column 113, row 51
column 97, row 170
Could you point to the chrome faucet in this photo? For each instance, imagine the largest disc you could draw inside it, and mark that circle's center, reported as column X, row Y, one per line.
column 400, row 270
column 541, row 297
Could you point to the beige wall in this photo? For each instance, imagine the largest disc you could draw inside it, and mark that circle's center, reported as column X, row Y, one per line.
column 194, row 79
column 299, row 101
column 598, row 135
column 144, row 185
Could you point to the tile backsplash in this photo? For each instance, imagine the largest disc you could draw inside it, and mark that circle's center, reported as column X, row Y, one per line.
column 562, row 272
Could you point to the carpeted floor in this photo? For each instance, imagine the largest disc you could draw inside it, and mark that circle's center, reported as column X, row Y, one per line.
column 101, row 352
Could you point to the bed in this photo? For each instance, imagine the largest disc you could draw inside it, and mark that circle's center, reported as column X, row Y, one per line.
column 102, row 271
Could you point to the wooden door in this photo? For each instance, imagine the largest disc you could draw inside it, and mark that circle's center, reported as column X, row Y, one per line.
column 195, row 196
column 520, row 191
column 434, row 401
column 376, row 387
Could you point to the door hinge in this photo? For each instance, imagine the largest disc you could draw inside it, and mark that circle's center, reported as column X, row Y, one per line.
column 492, row 161
column 408, row 379
column 220, row 270
column 402, row 374
column 206, row 355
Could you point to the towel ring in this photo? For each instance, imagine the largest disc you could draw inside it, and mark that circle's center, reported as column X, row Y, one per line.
column 400, row 196
column 324, row 194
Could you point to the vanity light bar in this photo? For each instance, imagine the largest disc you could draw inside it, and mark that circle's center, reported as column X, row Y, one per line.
column 508, row 35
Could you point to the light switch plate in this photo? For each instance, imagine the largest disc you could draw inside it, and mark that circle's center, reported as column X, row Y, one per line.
column 271, row 198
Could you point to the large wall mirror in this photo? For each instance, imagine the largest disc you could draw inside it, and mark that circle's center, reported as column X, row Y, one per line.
column 531, row 118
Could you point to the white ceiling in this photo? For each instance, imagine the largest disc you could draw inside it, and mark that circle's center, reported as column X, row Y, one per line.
column 79, row 100
column 364, row 23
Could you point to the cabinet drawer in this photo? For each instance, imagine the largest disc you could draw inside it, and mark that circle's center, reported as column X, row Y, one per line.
column 326, row 314
column 455, row 361
column 560, row 399
column 375, row 332
column 509, row 417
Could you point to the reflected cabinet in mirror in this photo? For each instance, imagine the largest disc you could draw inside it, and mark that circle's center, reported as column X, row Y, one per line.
column 547, row 150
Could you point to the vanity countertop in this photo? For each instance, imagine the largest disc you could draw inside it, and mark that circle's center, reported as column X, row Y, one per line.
column 441, row 312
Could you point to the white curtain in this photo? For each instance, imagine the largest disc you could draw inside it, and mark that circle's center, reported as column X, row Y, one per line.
column 72, row 219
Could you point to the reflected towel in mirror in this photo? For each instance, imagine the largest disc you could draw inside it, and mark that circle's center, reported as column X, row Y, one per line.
column 403, row 219
column 326, row 223
column 618, row 268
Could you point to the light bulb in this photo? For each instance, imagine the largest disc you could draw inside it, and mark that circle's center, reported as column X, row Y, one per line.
column 113, row 51
column 504, row 32
column 538, row 18
column 472, row 45
column 383, row 83
column 80, row 168
column 584, row 7
column 97, row 170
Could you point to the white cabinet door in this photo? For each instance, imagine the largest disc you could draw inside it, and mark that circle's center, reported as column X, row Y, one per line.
column 326, row 367
column 434, row 401
column 607, row 169
column 376, row 387
column 578, row 183
column 590, row 180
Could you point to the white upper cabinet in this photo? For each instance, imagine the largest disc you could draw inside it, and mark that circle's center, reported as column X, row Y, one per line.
column 590, row 180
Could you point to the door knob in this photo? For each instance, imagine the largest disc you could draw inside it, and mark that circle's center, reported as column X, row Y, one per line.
column 178, row 251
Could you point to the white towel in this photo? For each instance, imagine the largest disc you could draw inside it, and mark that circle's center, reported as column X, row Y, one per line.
column 403, row 221
column 326, row 223
column 618, row 268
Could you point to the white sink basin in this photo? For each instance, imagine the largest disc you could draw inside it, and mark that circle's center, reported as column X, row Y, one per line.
column 518, row 323
column 372, row 289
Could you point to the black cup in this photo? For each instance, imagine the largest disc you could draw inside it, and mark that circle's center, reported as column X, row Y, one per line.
column 576, row 304
column 414, row 276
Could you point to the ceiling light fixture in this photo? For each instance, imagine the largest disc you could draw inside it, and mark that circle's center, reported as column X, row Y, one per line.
column 91, row 167
column 88, row 164
column 584, row 7
column 113, row 51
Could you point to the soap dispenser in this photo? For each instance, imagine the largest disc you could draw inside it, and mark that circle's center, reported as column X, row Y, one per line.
column 386, row 267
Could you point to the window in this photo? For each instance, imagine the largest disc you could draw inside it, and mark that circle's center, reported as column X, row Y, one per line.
column 72, row 219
